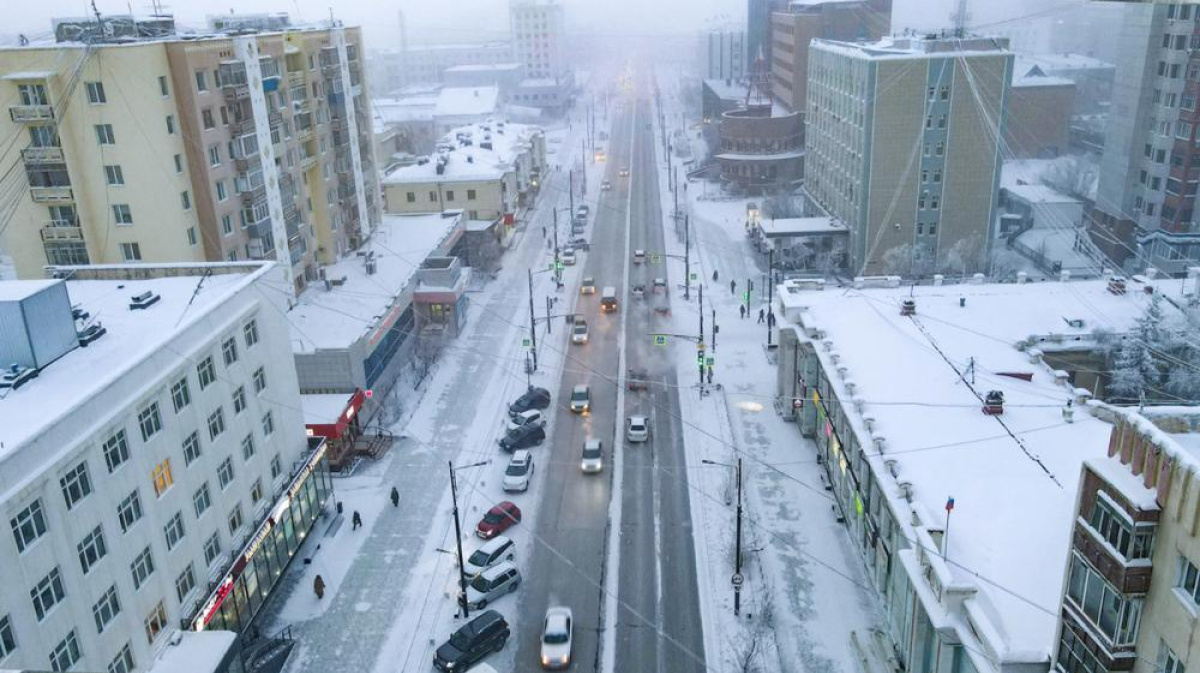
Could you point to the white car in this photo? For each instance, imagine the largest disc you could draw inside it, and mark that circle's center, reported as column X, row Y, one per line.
column 588, row 286
column 556, row 638
column 579, row 333
column 530, row 417
column 637, row 429
column 519, row 471
column 568, row 257
column 606, row 185
column 593, row 456
column 495, row 550
column 581, row 399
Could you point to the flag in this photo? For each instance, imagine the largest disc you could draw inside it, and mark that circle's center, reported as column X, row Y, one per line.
column 949, row 505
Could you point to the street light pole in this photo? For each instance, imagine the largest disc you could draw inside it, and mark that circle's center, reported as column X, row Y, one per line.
column 557, row 273
column 737, row 595
column 770, row 294
column 532, row 331
column 687, row 249
column 462, row 575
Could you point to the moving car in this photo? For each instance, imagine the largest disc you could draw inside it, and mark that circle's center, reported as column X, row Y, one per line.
column 475, row 640
column 639, row 256
column 624, row 172
column 583, row 210
column 534, row 398
column 579, row 333
column 499, row 548
column 637, row 429
column 557, row 638
column 608, row 299
column 660, row 284
column 588, row 286
column 568, row 257
column 581, row 399
column 497, row 520
column 525, row 418
column 523, row 437
column 492, row 584
column 593, row 456
column 519, row 471
column 606, row 185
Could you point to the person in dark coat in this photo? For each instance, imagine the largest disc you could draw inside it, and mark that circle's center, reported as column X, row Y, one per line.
column 319, row 587
column 395, row 497
column 742, row 308
column 733, row 287
column 355, row 520
column 762, row 316
column 714, row 275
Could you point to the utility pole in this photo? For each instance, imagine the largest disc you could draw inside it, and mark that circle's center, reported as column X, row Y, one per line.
column 700, row 354
column 687, row 264
column 749, row 291
column 532, row 331
column 714, row 330
column 557, row 273
column 462, row 575
column 549, row 306
column 737, row 594
column 675, row 192
column 770, row 294
column 571, row 190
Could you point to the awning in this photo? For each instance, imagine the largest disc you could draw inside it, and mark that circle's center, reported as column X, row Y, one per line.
column 329, row 415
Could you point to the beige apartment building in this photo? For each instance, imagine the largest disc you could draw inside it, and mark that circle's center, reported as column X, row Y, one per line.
column 185, row 148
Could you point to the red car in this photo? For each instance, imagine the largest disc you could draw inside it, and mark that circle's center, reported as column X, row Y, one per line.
column 497, row 520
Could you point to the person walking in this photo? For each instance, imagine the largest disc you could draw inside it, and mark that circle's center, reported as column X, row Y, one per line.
column 714, row 275
column 543, row 231
column 319, row 587
column 395, row 497
column 733, row 287
column 771, row 320
column 741, row 307
column 356, row 521
column 762, row 316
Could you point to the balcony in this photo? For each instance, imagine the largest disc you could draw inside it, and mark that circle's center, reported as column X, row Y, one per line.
column 295, row 79
column 54, row 231
column 235, row 92
column 307, row 162
column 52, row 194
column 42, row 155
column 254, row 195
column 31, row 113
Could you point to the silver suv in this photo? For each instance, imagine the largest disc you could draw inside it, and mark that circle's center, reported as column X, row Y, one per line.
column 495, row 582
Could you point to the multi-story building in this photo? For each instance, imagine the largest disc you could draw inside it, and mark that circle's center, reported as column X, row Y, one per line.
column 158, row 480
column 722, row 54
column 1148, row 171
column 538, row 31
column 903, row 144
column 216, row 147
column 1039, row 117
column 395, row 69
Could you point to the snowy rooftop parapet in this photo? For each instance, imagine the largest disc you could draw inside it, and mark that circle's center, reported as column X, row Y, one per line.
column 482, row 151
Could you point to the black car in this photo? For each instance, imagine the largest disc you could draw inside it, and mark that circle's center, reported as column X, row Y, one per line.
column 523, row 437
column 478, row 638
column 534, row 398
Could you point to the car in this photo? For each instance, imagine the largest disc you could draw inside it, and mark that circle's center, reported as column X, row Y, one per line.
column 568, row 257
column 581, row 399
column 639, row 256
column 593, row 456
column 580, row 243
column 624, row 172
column 579, row 333
column 524, row 418
column 473, row 641
column 493, row 583
column 495, row 550
column 523, row 437
column 497, row 520
column 519, row 472
column 588, row 286
column 606, row 185
column 637, row 429
column 660, row 284
column 557, row 636
column 583, row 210
column 578, row 228
column 533, row 398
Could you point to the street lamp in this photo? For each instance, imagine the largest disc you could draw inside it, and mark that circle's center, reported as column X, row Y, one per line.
column 462, row 574
column 737, row 560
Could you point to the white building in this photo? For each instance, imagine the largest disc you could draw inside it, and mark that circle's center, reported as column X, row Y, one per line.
column 722, row 54
column 159, row 476
column 460, row 106
column 538, row 38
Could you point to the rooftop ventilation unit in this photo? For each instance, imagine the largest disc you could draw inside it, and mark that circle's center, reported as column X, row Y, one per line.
column 38, row 321
column 16, row 376
column 143, row 301
column 91, row 333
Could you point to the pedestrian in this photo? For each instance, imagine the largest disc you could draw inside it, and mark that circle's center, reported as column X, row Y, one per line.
column 762, row 316
column 543, row 231
column 319, row 587
column 733, row 287
column 741, row 307
column 710, row 376
column 771, row 320
column 714, row 275
column 395, row 497
column 355, row 521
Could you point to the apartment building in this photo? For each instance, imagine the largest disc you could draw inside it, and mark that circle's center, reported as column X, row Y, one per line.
column 539, row 39
column 903, row 144
column 214, row 147
column 722, row 54
column 394, row 69
column 156, row 481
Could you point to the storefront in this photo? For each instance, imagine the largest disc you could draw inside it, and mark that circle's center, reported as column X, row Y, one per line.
column 336, row 418
column 241, row 592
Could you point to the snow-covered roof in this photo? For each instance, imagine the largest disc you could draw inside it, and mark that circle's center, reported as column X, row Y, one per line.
column 131, row 338
column 795, row 226
column 538, row 83
column 196, row 652
column 407, row 108
column 775, row 156
column 467, row 101
column 337, row 317
column 916, row 47
column 1039, row 194
column 323, row 409
column 486, row 67
column 735, row 90
column 469, row 163
column 1014, row 476
column 1059, row 62
column 1040, row 80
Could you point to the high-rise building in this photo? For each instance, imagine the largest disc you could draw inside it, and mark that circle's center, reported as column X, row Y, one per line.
column 903, row 144
column 538, row 38
column 156, row 148
column 412, row 65
column 723, row 54
column 157, row 482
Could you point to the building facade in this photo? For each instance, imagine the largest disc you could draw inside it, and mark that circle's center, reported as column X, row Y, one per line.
column 395, row 69
column 903, row 143
column 1039, row 117
column 162, row 458
column 723, row 55
column 216, row 148
column 538, row 29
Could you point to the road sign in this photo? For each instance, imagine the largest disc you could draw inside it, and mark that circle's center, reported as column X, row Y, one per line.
column 660, row 339
column 655, row 259
column 526, row 343
column 710, row 361
column 737, row 580
column 695, row 276
column 700, row 346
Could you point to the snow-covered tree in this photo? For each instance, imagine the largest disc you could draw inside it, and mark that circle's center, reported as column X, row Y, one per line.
column 1183, row 379
column 1133, row 370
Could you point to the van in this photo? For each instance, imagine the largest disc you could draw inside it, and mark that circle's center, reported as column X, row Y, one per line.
column 608, row 299
column 499, row 548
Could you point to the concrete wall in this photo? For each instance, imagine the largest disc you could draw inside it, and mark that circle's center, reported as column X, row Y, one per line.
column 1039, row 117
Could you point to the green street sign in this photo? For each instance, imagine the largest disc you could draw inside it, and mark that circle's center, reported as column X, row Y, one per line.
column 695, row 276
column 660, row 339
column 526, row 343
column 710, row 360
column 655, row 259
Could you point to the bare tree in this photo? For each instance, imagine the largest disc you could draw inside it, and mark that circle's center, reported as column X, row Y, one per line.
column 749, row 652
column 1072, row 175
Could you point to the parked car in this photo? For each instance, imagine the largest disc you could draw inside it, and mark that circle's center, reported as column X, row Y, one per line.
column 606, row 185
column 637, row 429
column 583, row 210
column 497, row 520
column 588, row 286
column 495, row 550
column 557, row 636
column 580, row 243
column 579, row 333
column 534, row 398
column 593, row 456
column 568, row 257
column 519, row 471
column 494, row 583
column 524, row 418
column 581, row 399
column 475, row 640
column 523, row 437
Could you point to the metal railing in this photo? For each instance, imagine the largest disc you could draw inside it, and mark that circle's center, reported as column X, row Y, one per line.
column 52, row 194
column 42, row 155
column 59, row 232
column 31, row 113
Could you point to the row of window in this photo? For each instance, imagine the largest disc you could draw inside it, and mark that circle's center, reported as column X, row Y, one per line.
column 1114, row 614
column 1130, row 541
column 411, row 197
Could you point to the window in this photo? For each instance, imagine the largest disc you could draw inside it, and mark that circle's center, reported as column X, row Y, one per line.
column 178, row 163
column 1168, row 661
column 95, row 93
column 449, row 194
column 221, row 192
column 28, row 525
column 162, row 477
column 129, row 511
column 239, row 400
column 214, row 155
column 411, row 197
column 276, row 466
column 260, row 380
column 1074, row 656
column 235, row 519
column 206, row 118
column 106, row 609
column 156, row 622
column 216, row 423
column 114, row 176
column 76, row 485
column 1117, row 616
column 92, row 549
column 123, row 662
column 66, row 654
column 201, row 500
column 191, row 448
column 248, row 447
column 256, row 492
column 191, row 236
column 250, row 331
column 226, row 225
column 201, row 81
column 433, row 196
column 941, row 149
column 224, row 116
column 171, row 125
column 142, row 568
column 225, row 473
column 8, row 642
column 116, row 451
column 150, row 421
column 181, row 396
column 1188, row 579
column 229, row 351
column 470, row 194
column 104, row 134
column 174, row 531
column 162, row 86
column 937, row 175
column 122, row 215
column 47, row 593
column 212, row 549
column 268, row 424
column 206, row 372
column 185, row 583
column 185, row 200
column 945, row 92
